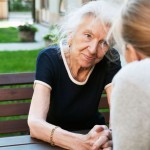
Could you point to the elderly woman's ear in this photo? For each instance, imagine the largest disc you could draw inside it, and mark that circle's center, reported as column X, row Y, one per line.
column 69, row 42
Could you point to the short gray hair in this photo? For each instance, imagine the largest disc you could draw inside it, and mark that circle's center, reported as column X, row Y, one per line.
column 102, row 10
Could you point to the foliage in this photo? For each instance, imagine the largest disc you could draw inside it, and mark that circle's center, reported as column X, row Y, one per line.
column 27, row 27
column 18, row 61
column 9, row 35
column 53, row 36
column 19, row 5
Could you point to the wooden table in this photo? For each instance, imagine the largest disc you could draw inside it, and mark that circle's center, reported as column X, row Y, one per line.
column 24, row 143
column 27, row 143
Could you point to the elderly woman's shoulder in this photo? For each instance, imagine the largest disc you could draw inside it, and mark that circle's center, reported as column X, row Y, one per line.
column 112, row 58
column 112, row 55
column 51, row 50
column 50, row 53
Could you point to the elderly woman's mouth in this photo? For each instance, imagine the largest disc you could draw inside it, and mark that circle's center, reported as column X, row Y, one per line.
column 88, row 58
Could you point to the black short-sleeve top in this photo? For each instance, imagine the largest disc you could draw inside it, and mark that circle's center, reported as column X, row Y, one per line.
column 74, row 105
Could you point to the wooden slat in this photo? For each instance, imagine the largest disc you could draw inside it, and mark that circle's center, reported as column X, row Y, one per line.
column 16, row 94
column 18, row 78
column 13, row 126
column 103, row 103
column 25, row 143
column 26, row 140
column 15, row 140
column 14, row 109
column 13, row 94
column 41, row 146
column 106, row 115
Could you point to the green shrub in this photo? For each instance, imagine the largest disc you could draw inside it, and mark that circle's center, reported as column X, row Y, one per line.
column 53, row 36
column 20, row 5
column 27, row 27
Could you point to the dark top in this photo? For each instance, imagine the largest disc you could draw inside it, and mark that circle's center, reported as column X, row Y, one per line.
column 74, row 106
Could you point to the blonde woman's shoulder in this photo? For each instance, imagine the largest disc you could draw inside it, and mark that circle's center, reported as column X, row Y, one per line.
column 138, row 70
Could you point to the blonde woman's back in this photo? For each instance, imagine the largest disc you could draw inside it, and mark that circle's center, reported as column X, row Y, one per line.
column 131, row 98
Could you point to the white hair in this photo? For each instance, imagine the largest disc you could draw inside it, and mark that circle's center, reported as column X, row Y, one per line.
column 102, row 10
column 115, row 33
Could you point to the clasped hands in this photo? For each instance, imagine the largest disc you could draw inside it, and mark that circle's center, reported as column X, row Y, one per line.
column 98, row 138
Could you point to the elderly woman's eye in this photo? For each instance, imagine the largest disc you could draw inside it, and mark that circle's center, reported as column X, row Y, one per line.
column 88, row 35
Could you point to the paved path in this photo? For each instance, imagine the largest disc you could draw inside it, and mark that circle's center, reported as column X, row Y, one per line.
column 27, row 46
column 16, row 19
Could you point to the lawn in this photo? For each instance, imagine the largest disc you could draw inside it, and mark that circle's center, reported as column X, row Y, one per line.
column 9, row 35
column 18, row 61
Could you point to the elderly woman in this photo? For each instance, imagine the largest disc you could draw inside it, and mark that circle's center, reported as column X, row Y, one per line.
column 131, row 86
column 70, row 79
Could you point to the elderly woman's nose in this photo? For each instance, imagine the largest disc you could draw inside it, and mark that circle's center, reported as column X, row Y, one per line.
column 93, row 47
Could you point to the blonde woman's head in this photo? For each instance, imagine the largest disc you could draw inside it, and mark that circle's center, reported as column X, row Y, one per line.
column 133, row 26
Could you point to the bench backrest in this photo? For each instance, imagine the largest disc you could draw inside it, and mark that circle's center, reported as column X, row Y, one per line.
column 15, row 96
column 104, row 108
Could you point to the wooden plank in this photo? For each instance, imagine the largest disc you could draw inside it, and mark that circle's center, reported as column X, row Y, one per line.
column 16, row 94
column 13, row 94
column 42, row 146
column 39, row 146
column 106, row 115
column 13, row 126
column 103, row 103
column 21, row 141
column 18, row 78
column 17, row 140
column 14, row 109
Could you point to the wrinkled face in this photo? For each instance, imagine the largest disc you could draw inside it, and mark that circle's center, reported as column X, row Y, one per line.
column 88, row 45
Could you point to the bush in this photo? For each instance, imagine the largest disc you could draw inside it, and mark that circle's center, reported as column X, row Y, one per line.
column 19, row 5
column 53, row 36
column 27, row 27
column 27, row 32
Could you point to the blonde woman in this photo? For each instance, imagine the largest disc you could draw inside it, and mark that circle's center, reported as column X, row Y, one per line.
column 130, row 100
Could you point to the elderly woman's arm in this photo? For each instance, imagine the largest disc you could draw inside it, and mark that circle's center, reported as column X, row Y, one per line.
column 40, row 129
column 108, row 90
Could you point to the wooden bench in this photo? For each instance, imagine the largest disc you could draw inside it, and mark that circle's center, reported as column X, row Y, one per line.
column 15, row 96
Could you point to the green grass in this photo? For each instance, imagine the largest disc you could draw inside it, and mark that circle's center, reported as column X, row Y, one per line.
column 9, row 35
column 18, row 61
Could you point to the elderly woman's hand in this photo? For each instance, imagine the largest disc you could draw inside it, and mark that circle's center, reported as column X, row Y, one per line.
column 109, row 144
column 104, row 142
column 97, row 138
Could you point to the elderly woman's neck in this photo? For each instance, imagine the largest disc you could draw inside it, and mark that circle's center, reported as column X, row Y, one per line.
column 77, row 71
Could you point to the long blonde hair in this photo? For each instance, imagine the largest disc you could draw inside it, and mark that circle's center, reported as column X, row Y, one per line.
column 133, row 25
